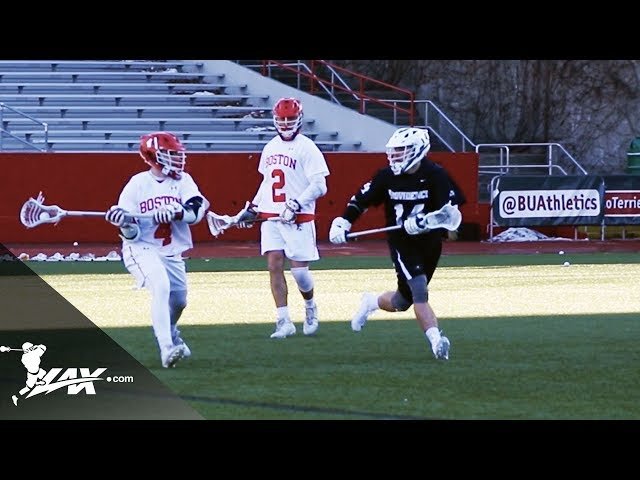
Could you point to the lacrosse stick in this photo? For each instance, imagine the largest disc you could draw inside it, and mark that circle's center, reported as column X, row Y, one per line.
column 9, row 349
column 219, row 223
column 448, row 217
column 34, row 213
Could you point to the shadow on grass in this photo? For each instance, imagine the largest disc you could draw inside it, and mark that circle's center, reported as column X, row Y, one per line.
column 536, row 367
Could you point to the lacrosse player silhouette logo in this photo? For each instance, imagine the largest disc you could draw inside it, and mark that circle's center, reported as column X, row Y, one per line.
column 31, row 357
column 40, row 381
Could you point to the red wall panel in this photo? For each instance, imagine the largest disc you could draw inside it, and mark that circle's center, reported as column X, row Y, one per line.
column 93, row 181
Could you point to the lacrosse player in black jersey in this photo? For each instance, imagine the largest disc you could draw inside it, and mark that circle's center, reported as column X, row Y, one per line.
column 409, row 188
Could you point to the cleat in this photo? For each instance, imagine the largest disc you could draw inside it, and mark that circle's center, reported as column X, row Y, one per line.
column 15, row 399
column 172, row 355
column 284, row 328
column 177, row 340
column 310, row 326
column 441, row 351
column 360, row 318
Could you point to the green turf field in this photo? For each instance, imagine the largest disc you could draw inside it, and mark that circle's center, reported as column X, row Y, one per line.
column 531, row 339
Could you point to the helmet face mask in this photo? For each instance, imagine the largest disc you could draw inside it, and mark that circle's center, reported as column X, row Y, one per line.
column 164, row 150
column 407, row 147
column 287, row 117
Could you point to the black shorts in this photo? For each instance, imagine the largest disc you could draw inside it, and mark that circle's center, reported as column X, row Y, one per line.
column 414, row 256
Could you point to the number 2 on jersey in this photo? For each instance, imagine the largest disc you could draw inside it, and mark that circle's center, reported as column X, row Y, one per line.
column 278, row 185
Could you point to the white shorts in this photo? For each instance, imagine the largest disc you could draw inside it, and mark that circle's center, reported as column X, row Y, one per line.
column 297, row 240
column 151, row 269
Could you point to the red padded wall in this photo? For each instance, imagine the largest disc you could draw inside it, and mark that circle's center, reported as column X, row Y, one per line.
column 92, row 181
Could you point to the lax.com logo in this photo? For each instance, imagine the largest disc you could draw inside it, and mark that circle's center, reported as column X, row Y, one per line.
column 40, row 381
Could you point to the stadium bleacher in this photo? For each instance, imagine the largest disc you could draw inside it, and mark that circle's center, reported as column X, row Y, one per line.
column 106, row 105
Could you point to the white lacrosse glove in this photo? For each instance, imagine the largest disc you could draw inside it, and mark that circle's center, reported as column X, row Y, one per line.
column 291, row 209
column 168, row 213
column 246, row 216
column 118, row 216
column 416, row 224
column 339, row 229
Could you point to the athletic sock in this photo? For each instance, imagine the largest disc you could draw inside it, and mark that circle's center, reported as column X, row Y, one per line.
column 282, row 312
column 433, row 334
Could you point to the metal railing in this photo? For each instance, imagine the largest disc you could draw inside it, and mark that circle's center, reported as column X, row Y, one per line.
column 330, row 78
column 435, row 120
column 554, row 154
column 4, row 131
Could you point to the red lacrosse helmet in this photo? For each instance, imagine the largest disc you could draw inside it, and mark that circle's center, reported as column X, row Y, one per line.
column 165, row 150
column 287, row 117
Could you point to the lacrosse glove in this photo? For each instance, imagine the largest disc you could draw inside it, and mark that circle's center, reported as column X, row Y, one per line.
column 247, row 215
column 416, row 224
column 291, row 209
column 118, row 216
column 339, row 229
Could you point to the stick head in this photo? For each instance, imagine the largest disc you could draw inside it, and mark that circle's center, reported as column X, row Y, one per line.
column 448, row 217
column 34, row 213
column 218, row 223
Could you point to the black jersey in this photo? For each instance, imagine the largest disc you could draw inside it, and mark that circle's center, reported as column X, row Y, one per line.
column 426, row 190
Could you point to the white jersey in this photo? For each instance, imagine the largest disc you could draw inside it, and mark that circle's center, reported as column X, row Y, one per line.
column 145, row 193
column 286, row 168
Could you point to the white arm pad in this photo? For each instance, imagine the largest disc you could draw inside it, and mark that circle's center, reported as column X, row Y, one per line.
column 130, row 232
column 317, row 188
column 189, row 216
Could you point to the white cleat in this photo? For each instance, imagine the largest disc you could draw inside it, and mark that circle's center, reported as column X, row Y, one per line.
column 441, row 351
column 15, row 399
column 310, row 326
column 284, row 328
column 360, row 318
column 177, row 340
column 171, row 355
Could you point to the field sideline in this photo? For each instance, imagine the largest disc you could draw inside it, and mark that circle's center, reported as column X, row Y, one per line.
column 531, row 339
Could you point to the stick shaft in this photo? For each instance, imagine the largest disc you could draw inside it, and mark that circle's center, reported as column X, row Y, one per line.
column 82, row 213
column 373, row 230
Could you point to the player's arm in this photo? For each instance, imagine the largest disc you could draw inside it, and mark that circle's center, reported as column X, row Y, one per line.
column 249, row 213
column 119, row 216
column 371, row 193
column 317, row 188
column 315, row 169
column 442, row 190
column 192, row 211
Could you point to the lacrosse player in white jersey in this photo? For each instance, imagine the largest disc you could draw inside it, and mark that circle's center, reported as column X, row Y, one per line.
column 152, row 247
column 294, row 171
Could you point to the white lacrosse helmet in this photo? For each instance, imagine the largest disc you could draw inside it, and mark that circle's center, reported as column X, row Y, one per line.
column 26, row 346
column 406, row 147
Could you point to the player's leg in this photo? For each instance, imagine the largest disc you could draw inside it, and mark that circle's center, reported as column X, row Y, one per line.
column 439, row 343
column 272, row 245
column 39, row 376
column 301, row 248
column 177, row 272
column 147, row 267
column 389, row 301
column 415, row 264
